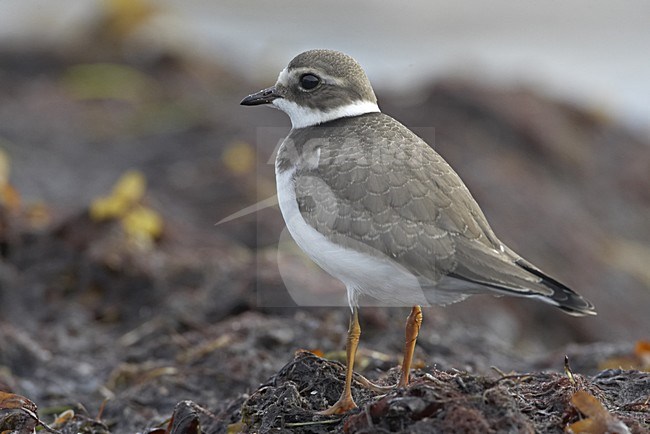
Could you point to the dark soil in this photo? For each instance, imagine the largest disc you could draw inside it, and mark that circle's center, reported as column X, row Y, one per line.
column 438, row 401
column 198, row 323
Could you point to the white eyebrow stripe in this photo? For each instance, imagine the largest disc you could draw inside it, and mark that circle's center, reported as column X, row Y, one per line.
column 283, row 78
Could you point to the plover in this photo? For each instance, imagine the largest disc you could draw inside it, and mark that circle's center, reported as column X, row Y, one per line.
column 376, row 207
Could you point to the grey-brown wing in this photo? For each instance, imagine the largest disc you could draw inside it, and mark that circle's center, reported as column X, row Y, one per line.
column 379, row 188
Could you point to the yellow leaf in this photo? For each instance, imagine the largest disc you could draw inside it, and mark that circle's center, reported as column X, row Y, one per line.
column 127, row 192
column 9, row 196
column 64, row 417
column 599, row 420
column 106, row 208
column 130, row 187
column 642, row 349
column 142, row 223
column 4, row 168
column 239, row 158
column 639, row 360
column 125, row 16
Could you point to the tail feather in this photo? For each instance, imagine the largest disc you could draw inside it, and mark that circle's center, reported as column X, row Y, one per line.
column 520, row 278
column 562, row 296
column 505, row 272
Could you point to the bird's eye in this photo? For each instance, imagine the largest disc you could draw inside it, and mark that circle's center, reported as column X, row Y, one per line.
column 309, row 81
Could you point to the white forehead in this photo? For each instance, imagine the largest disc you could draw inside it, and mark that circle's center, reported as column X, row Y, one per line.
column 283, row 78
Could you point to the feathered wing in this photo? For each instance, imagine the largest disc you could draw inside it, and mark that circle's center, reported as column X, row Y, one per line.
column 508, row 273
column 373, row 185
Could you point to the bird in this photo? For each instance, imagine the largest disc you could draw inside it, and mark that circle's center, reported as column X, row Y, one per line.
column 379, row 209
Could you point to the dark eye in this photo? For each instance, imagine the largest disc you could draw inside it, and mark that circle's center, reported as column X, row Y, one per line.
column 309, row 81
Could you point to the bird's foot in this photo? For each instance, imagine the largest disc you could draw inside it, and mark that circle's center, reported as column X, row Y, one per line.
column 343, row 405
column 372, row 386
column 404, row 380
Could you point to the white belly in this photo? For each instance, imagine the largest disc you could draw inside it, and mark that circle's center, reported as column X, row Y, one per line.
column 381, row 278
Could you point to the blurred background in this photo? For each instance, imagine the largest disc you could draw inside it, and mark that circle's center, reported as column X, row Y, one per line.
column 122, row 143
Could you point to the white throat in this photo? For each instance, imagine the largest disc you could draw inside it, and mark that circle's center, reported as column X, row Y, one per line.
column 302, row 117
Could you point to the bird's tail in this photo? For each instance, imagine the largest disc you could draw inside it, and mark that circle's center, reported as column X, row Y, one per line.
column 562, row 296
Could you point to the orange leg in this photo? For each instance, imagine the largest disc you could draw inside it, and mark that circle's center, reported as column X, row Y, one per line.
column 346, row 402
column 413, row 323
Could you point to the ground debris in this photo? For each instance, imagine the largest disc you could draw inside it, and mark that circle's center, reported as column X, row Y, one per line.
column 441, row 401
column 185, row 420
column 291, row 398
column 80, row 423
column 17, row 414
